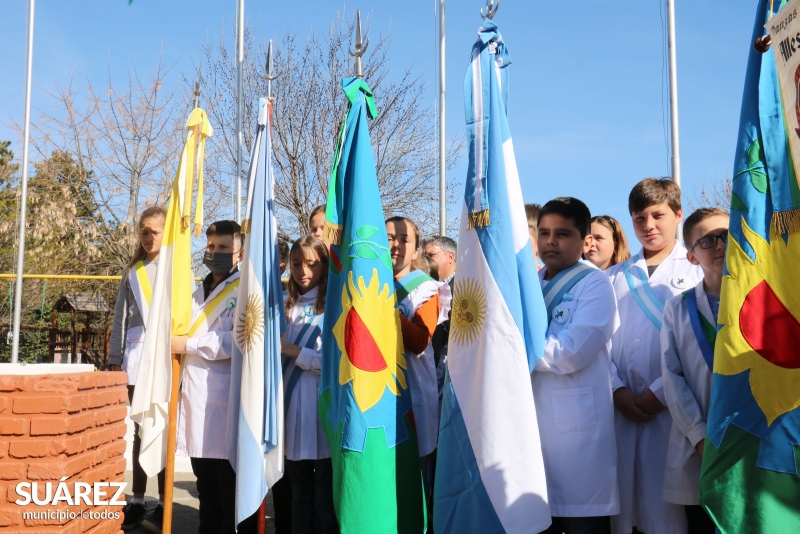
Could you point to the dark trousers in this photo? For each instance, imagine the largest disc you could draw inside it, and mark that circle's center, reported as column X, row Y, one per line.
column 698, row 520
column 580, row 525
column 312, row 496
column 216, row 491
column 282, row 502
column 139, row 476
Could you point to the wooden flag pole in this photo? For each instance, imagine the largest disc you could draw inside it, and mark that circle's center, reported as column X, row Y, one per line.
column 261, row 523
column 172, row 443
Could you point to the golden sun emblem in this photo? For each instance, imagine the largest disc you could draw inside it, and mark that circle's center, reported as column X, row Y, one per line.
column 469, row 311
column 758, row 299
column 250, row 324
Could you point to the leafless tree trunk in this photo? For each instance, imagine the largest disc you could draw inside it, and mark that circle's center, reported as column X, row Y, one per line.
column 309, row 108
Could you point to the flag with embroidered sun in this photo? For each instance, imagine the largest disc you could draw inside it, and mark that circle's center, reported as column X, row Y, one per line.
column 170, row 311
column 749, row 481
column 490, row 471
column 365, row 404
column 255, row 411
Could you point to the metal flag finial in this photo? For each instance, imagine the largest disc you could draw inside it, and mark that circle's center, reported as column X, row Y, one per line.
column 491, row 9
column 270, row 76
column 197, row 91
column 360, row 46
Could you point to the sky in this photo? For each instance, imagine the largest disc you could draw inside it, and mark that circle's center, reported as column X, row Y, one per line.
column 588, row 90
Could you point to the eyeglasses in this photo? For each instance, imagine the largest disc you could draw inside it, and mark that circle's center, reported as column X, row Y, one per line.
column 710, row 241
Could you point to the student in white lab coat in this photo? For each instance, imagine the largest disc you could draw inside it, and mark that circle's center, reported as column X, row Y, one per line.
column 205, row 383
column 687, row 360
column 572, row 381
column 642, row 285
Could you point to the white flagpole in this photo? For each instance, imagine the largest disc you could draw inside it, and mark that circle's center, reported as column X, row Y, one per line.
column 23, row 205
column 442, row 162
column 239, row 103
column 673, row 100
column 673, row 93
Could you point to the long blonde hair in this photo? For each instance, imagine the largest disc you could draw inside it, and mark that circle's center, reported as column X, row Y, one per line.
column 150, row 213
column 621, row 252
column 305, row 244
column 419, row 263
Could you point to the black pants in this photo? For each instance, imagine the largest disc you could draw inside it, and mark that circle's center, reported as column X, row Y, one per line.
column 139, row 476
column 312, row 497
column 282, row 502
column 698, row 520
column 216, row 491
column 580, row 525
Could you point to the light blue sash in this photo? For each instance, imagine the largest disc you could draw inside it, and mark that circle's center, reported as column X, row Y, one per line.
column 704, row 331
column 307, row 337
column 639, row 286
column 562, row 283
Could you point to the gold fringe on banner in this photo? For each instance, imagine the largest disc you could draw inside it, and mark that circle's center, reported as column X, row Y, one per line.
column 479, row 219
column 332, row 233
column 245, row 227
column 785, row 222
column 185, row 222
column 198, row 230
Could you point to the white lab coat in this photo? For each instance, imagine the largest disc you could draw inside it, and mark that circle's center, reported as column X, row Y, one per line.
column 687, row 388
column 422, row 383
column 305, row 437
column 636, row 364
column 206, row 380
column 574, row 406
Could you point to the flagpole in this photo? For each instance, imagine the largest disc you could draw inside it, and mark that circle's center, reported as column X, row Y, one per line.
column 673, row 93
column 23, row 205
column 172, row 443
column 239, row 102
column 442, row 161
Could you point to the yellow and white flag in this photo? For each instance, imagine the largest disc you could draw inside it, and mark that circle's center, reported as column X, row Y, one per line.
column 171, row 305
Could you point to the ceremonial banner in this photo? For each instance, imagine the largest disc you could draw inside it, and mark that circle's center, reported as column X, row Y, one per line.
column 365, row 404
column 784, row 29
column 750, row 483
column 255, row 412
column 490, row 472
column 171, row 306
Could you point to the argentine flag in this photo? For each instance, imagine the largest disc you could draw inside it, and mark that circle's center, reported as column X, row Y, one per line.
column 255, row 411
column 490, row 473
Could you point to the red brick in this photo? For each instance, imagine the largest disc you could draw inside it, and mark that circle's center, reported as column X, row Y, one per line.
column 63, row 384
column 118, row 378
column 78, row 403
column 4, row 403
column 49, row 426
column 10, row 383
column 39, row 448
column 10, row 516
column 40, row 404
column 17, row 426
column 87, row 380
column 3, row 449
column 75, row 445
column 110, row 414
column 79, row 423
column 50, row 469
column 12, row 470
column 80, row 463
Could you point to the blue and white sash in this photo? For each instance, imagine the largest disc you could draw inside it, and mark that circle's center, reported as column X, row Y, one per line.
column 562, row 283
column 639, row 286
column 307, row 338
column 704, row 331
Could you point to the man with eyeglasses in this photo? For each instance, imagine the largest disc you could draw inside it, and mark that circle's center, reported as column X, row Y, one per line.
column 687, row 359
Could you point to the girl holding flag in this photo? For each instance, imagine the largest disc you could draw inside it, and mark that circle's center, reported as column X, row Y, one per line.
column 308, row 457
column 125, row 347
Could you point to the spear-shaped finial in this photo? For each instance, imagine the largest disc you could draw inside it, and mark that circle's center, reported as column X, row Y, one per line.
column 360, row 46
column 197, row 91
column 270, row 70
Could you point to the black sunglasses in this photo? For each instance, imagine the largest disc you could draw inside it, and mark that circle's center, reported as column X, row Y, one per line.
column 710, row 241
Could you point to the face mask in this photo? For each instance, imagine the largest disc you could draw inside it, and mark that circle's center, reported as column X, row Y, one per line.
column 218, row 262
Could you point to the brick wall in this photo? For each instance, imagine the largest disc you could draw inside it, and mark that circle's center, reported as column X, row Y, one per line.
column 56, row 426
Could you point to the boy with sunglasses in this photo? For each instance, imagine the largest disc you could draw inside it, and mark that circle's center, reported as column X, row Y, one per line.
column 687, row 358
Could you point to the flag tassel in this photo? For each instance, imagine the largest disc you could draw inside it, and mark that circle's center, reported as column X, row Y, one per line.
column 479, row 219
column 786, row 222
column 332, row 233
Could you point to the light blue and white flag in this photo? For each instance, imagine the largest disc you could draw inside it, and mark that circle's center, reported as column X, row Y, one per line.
column 255, row 417
column 490, row 473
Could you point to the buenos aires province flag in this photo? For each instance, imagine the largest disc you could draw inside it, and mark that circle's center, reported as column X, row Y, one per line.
column 490, row 472
column 255, row 411
column 365, row 403
column 171, row 305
